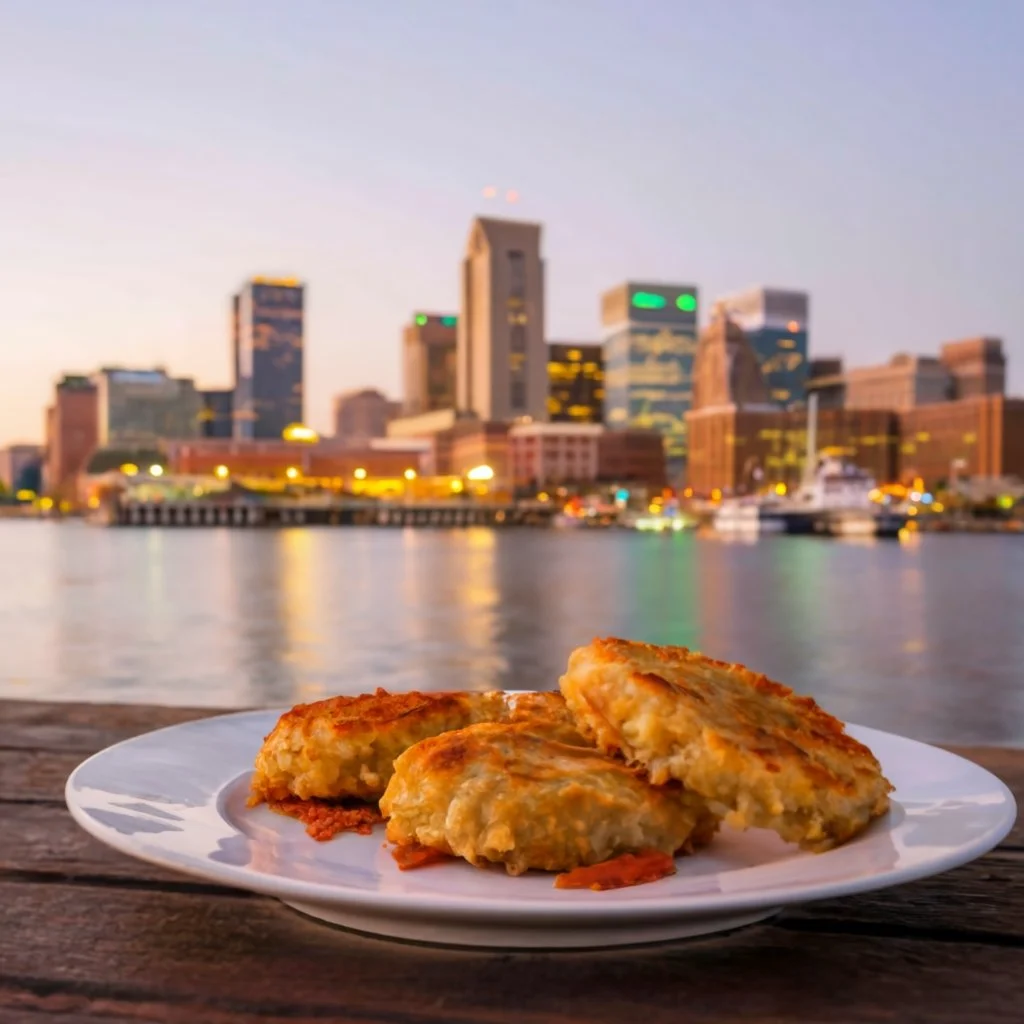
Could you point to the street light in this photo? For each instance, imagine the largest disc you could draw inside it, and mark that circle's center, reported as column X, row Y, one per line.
column 480, row 473
column 156, row 470
column 410, row 474
column 129, row 469
column 292, row 473
column 221, row 472
column 360, row 473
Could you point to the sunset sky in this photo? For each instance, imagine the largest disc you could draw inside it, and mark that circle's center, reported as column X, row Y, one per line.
column 155, row 154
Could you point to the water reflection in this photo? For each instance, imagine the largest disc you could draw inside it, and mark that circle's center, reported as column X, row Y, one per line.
column 922, row 639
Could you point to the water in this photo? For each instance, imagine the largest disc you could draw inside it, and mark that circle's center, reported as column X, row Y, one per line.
column 925, row 639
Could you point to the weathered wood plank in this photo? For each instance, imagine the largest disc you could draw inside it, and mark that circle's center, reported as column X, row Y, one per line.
column 85, row 728
column 179, row 953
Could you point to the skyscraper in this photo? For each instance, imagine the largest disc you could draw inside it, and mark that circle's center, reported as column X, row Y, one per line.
column 268, row 374
column 650, row 337
column 575, row 382
column 428, row 363
column 502, row 357
column 775, row 322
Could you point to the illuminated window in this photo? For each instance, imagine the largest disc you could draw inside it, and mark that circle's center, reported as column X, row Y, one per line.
column 574, row 355
column 781, row 395
column 787, row 343
column 648, row 300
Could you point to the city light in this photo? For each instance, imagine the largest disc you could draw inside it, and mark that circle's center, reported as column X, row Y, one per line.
column 792, row 327
column 292, row 473
column 687, row 302
column 716, row 494
column 360, row 473
column 648, row 300
column 221, row 472
column 46, row 504
column 688, row 493
column 300, row 433
column 780, row 489
column 543, row 496
column 480, row 473
column 456, row 486
column 93, row 501
column 449, row 321
column 156, row 469
column 421, row 319
column 129, row 469
column 410, row 474
column 25, row 495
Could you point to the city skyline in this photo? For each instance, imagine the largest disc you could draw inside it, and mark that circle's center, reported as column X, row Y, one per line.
column 136, row 200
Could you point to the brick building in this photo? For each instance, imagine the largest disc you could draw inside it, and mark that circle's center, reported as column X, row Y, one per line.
column 72, row 433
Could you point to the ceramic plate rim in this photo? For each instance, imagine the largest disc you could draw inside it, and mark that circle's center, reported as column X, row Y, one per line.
column 468, row 907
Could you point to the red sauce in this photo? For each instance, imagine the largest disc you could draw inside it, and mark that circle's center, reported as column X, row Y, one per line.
column 627, row 869
column 324, row 819
column 416, row 856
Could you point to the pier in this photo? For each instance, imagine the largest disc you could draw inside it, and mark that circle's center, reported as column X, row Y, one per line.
column 253, row 515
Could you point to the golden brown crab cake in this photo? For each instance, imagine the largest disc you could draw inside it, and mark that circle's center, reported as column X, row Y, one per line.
column 346, row 746
column 750, row 746
column 502, row 794
column 545, row 713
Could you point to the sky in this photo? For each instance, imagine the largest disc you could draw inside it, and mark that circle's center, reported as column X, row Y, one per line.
column 153, row 155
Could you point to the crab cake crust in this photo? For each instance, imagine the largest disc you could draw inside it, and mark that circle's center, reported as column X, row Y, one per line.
column 346, row 746
column 749, row 745
column 502, row 794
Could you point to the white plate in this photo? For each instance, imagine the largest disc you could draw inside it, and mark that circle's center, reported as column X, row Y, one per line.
column 176, row 797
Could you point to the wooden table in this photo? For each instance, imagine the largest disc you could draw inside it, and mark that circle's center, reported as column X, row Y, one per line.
column 89, row 935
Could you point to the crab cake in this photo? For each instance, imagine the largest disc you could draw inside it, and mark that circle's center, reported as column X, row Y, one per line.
column 345, row 746
column 502, row 794
column 750, row 746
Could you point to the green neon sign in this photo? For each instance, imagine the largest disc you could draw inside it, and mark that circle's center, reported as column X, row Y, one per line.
column 648, row 300
column 687, row 302
column 449, row 321
column 421, row 319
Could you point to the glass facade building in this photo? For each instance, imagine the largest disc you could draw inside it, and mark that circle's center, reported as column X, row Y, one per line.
column 775, row 323
column 269, row 380
column 575, row 383
column 650, row 333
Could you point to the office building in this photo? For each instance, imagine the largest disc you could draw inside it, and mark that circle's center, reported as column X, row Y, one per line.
column 72, row 432
column 650, row 338
column 575, row 382
column 742, row 450
column 905, row 382
column 428, row 363
column 216, row 415
column 363, row 414
column 140, row 407
column 632, row 456
column 502, row 357
column 547, row 454
column 982, row 435
column 775, row 322
column 726, row 371
column 474, row 443
column 976, row 366
column 269, row 365
column 21, row 468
